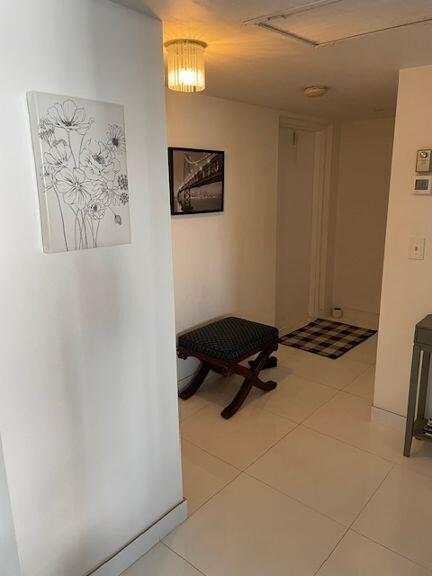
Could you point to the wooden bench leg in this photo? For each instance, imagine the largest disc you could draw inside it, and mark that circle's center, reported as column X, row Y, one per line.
column 264, row 386
column 250, row 380
column 238, row 399
column 197, row 380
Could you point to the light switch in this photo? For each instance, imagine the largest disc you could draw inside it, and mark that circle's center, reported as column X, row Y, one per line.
column 417, row 248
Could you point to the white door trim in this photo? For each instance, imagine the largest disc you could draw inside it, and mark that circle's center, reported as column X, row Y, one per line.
column 324, row 135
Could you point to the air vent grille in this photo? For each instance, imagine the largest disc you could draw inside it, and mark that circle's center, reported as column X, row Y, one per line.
column 324, row 22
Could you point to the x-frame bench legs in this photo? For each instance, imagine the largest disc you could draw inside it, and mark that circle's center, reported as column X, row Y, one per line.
column 251, row 378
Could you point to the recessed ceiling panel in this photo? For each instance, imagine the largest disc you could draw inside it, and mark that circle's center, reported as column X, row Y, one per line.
column 328, row 21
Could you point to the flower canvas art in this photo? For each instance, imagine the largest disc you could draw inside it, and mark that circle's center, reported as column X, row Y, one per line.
column 80, row 156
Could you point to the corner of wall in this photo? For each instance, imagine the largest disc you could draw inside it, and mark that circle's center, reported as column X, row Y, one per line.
column 9, row 562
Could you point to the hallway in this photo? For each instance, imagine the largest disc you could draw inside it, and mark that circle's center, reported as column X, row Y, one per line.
column 302, row 481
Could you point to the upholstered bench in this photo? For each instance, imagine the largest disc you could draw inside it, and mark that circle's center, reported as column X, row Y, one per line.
column 222, row 346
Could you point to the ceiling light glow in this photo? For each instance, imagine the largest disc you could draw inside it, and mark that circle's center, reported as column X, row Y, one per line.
column 186, row 69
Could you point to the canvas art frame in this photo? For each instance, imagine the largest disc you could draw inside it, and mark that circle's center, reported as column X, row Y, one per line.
column 80, row 156
column 206, row 176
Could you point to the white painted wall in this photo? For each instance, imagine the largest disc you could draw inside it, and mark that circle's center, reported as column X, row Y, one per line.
column 364, row 164
column 88, row 412
column 294, row 226
column 225, row 263
column 407, row 284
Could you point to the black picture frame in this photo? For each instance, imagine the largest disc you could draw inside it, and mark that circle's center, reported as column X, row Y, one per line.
column 213, row 173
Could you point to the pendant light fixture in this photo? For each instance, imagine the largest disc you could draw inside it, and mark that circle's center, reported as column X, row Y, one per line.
column 186, row 71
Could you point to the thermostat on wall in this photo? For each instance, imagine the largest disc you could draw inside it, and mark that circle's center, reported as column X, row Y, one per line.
column 422, row 185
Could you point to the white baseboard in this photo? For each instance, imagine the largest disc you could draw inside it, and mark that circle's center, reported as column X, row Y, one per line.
column 183, row 382
column 133, row 551
column 290, row 326
column 390, row 419
column 357, row 317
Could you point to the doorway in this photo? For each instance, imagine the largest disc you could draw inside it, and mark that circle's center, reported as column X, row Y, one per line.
column 304, row 178
column 333, row 183
column 294, row 226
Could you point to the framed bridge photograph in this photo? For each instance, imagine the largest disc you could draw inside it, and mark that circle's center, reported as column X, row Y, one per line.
column 196, row 180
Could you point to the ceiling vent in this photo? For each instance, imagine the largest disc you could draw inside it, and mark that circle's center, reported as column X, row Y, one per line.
column 325, row 22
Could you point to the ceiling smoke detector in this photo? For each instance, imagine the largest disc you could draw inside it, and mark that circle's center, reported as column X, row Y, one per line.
column 315, row 91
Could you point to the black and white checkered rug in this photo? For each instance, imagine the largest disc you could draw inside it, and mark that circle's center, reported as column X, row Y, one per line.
column 327, row 338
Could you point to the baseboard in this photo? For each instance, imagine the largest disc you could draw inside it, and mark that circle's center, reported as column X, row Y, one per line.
column 390, row 419
column 133, row 551
column 183, row 382
column 288, row 327
column 360, row 318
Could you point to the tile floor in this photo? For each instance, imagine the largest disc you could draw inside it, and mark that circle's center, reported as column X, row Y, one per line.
column 301, row 482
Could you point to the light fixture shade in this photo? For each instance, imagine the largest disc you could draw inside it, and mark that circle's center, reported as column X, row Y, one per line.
column 186, row 71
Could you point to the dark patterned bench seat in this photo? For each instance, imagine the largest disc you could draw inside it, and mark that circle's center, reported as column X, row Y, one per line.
column 229, row 338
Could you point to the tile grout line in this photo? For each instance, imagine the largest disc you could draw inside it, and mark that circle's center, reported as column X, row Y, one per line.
column 373, row 494
column 184, row 559
column 354, row 531
column 368, row 366
column 190, row 415
column 210, row 454
column 331, row 552
column 387, row 459
column 216, row 493
column 308, row 506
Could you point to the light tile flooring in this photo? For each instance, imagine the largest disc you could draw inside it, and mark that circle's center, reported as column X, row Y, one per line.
column 301, row 482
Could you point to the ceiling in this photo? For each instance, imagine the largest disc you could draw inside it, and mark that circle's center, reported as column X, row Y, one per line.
column 255, row 65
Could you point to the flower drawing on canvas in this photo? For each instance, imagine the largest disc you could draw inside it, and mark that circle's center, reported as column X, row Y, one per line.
column 83, row 172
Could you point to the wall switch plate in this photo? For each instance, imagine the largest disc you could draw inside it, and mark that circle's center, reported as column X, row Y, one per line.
column 417, row 248
column 424, row 161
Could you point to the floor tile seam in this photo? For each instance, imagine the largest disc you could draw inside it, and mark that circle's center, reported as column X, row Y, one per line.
column 385, row 458
column 415, row 562
column 211, row 454
column 240, row 472
column 271, row 447
column 331, row 552
column 313, row 380
column 181, row 420
column 294, row 499
column 372, row 495
column 183, row 558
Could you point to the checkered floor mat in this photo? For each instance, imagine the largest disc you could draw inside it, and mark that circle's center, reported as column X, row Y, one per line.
column 327, row 338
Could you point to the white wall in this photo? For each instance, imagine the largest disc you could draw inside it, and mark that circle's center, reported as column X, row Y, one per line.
column 407, row 284
column 364, row 164
column 294, row 226
column 88, row 413
column 225, row 263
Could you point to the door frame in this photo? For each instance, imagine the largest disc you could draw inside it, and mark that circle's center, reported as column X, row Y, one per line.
column 322, row 181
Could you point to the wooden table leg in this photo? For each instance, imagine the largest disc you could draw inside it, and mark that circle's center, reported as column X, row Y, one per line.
column 412, row 399
column 196, row 382
column 423, row 388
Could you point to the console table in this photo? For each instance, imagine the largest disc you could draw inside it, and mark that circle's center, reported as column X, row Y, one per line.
column 418, row 386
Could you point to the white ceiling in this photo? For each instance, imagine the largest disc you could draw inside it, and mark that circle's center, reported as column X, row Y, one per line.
column 254, row 65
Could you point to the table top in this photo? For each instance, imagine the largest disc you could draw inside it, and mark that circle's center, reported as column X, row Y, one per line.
column 423, row 331
column 426, row 323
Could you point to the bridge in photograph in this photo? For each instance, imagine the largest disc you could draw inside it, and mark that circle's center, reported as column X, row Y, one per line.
column 206, row 170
